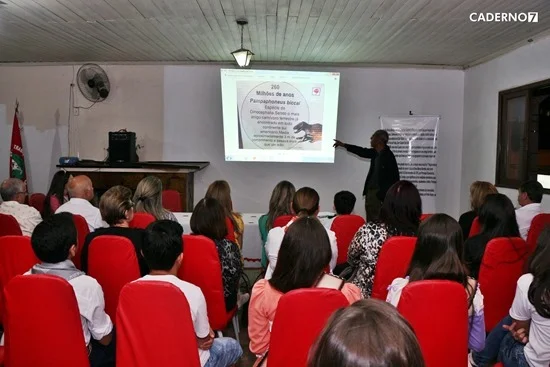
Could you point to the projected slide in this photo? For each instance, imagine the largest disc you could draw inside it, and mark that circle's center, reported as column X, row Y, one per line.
column 279, row 116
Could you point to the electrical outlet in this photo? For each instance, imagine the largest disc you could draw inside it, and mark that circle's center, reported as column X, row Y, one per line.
column 76, row 111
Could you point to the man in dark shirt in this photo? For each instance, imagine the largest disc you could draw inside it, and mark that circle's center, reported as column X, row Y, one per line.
column 383, row 171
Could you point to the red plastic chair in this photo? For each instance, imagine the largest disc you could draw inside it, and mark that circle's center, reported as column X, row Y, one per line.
column 345, row 227
column 425, row 216
column 539, row 222
column 433, row 307
column 113, row 263
column 475, row 229
column 82, row 230
column 16, row 258
column 41, row 316
column 141, row 220
column 501, row 267
column 147, row 337
column 230, row 230
column 36, row 200
column 297, row 324
column 393, row 261
column 171, row 200
column 201, row 267
column 282, row 220
column 9, row 226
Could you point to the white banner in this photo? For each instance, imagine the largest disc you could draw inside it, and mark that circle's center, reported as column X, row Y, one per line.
column 413, row 140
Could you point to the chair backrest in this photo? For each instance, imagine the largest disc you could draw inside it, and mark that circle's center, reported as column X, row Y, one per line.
column 345, row 227
column 201, row 267
column 113, row 263
column 282, row 220
column 262, row 225
column 501, row 267
column 142, row 220
column 425, row 216
column 539, row 222
column 154, row 327
column 16, row 257
column 36, row 200
column 393, row 261
column 171, row 200
column 297, row 324
column 475, row 229
column 9, row 226
column 82, row 231
column 41, row 317
column 433, row 307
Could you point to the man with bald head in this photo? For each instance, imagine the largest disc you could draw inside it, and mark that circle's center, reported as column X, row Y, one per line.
column 81, row 191
column 14, row 192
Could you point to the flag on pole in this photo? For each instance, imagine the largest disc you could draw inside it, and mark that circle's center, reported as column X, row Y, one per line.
column 17, row 158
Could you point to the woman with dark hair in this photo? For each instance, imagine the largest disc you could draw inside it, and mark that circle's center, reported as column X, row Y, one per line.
column 117, row 210
column 497, row 218
column 221, row 191
column 305, row 253
column 367, row 333
column 523, row 338
column 57, row 194
column 478, row 192
column 304, row 203
column 399, row 216
column 208, row 219
column 437, row 256
column 279, row 204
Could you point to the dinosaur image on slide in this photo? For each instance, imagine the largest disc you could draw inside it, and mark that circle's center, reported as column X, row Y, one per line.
column 313, row 132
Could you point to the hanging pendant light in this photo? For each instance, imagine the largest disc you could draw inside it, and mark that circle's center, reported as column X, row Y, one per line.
column 242, row 55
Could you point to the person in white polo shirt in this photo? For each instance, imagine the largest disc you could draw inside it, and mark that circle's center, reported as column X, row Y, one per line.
column 163, row 252
column 81, row 191
column 529, row 198
column 54, row 243
column 14, row 192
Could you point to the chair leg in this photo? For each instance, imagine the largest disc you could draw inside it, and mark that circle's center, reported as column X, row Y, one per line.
column 236, row 327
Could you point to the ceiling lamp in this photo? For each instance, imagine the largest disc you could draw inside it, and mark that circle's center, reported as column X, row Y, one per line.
column 242, row 55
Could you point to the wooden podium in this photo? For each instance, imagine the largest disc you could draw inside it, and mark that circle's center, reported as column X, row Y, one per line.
column 177, row 176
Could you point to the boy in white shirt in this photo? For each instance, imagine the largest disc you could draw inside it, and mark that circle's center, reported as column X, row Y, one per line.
column 163, row 252
column 54, row 243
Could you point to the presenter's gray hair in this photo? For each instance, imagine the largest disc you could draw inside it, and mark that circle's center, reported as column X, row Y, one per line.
column 383, row 135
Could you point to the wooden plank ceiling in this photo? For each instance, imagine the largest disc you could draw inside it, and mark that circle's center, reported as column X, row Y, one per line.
column 431, row 32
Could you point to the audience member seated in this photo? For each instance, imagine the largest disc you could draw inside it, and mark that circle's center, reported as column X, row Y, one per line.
column 437, row 256
column 14, row 192
column 304, row 203
column 367, row 333
column 208, row 219
column 478, row 191
column 399, row 216
column 54, row 243
column 300, row 265
column 221, row 191
column 279, row 204
column 117, row 209
column 529, row 198
column 81, row 192
column 148, row 198
column 523, row 337
column 344, row 203
column 57, row 194
column 163, row 253
column 497, row 218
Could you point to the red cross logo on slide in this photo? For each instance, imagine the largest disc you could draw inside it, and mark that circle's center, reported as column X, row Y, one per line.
column 316, row 91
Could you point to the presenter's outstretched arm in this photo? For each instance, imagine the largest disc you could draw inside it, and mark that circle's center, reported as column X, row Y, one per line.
column 360, row 151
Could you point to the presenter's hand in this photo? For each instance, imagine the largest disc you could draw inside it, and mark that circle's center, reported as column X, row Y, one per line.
column 338, row 143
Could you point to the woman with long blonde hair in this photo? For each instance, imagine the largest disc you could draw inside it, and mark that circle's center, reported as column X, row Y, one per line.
column 148, row 198
column 478, row 192
column 221, row 191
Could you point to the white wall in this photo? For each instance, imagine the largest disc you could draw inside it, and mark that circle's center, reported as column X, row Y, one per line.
column 186, row 124
column 481, row 86
column 193, row 131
